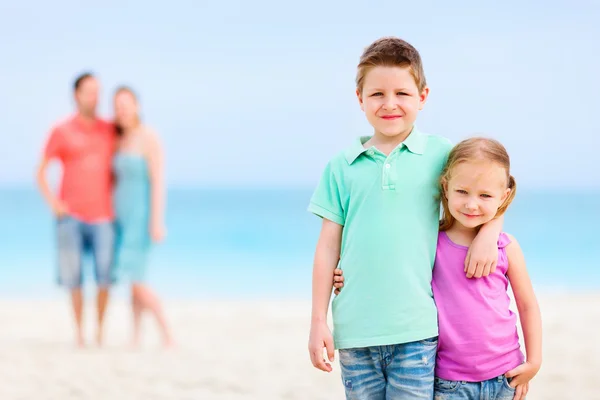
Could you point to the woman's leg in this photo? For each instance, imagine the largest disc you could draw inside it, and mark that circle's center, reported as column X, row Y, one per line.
column 137, row 309
column 147, row 299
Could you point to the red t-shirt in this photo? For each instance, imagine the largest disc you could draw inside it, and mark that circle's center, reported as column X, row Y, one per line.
column 85, row 151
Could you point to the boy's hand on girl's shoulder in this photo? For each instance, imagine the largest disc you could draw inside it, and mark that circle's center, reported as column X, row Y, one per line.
column 521, row 377
column 338, row 280
column 320, row 337
column 482, row 257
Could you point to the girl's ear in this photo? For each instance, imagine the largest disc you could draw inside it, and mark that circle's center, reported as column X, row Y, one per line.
column 506, row 193
column 444, row 184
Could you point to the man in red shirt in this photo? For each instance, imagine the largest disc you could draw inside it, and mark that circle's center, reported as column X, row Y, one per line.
column 84, row 144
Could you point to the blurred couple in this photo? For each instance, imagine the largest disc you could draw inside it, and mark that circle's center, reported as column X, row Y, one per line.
column 110, row 203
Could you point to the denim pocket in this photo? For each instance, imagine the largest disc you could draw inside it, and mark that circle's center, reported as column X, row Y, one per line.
column 507, row 384
column 444, row 386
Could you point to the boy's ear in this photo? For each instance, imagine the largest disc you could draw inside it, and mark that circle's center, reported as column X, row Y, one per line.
column 360, row 99
column 423, row 97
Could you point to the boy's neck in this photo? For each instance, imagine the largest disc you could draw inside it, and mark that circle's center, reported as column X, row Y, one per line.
column 386, row 144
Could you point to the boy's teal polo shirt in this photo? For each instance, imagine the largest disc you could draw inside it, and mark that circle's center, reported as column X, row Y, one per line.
column 389, row 208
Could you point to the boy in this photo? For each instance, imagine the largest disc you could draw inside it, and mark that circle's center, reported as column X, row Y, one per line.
column 84, row 145
column 379, row 201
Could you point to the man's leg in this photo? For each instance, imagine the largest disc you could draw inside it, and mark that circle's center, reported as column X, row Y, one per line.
column 70, row 247
column 77, row 302
column 411, row 369
column 102, row 240
column 362, row 373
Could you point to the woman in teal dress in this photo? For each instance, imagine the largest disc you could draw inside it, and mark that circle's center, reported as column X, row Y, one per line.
column 139, row 197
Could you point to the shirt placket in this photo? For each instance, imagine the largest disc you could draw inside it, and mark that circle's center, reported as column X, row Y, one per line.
column 388, row 175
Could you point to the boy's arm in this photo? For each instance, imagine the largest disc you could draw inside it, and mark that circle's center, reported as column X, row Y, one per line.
column 51, row 151
column 530, row 316
column 482, row 256
column 326, row 259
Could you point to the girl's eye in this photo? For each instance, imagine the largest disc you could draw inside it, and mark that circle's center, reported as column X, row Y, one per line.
column 487, row 196
column 377, row 94
column 461, row 191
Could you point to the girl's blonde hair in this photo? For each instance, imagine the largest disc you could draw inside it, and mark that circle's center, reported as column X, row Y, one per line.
column 477, row 148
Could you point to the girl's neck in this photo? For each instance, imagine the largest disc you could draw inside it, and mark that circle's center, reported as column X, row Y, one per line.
column 462, row 235
column 131, row 131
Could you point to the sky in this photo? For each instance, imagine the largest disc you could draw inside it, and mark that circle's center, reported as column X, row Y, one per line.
column 261, row 93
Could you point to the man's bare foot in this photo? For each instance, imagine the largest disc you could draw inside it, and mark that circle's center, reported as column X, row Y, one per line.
column 169, row 343
column 80, row 341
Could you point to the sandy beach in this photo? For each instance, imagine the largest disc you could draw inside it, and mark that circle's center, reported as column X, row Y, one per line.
column 235, row 350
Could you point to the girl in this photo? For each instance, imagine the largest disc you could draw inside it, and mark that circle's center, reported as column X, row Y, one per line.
column 139, row 206
column 478, row 354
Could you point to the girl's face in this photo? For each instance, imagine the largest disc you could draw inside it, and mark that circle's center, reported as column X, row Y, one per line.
column 475, row 191
column 126, row 110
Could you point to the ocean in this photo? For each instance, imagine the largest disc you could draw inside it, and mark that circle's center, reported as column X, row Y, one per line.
column 259, row 243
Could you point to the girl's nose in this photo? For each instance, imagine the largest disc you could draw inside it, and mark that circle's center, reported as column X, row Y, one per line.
column 471, row 205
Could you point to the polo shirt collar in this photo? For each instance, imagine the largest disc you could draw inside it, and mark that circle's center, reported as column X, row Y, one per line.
column 415, row 143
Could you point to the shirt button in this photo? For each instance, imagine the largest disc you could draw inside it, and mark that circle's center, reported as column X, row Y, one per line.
column 387, row 165
column 371, row 152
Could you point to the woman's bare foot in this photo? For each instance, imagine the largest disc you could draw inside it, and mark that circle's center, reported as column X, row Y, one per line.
column 135, row 343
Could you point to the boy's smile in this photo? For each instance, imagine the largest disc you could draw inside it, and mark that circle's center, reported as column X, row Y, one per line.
column 391, row 100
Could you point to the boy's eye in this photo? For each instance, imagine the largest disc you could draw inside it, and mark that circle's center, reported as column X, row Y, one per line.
column 461, row 191
column 377, row 94
column 402, row 94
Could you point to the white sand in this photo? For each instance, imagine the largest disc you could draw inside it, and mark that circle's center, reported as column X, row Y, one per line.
column 238, row 351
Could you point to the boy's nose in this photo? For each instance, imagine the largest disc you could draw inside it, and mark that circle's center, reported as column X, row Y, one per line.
column 389, row 104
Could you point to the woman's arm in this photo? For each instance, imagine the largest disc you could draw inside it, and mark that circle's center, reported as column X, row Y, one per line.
column 155, row 159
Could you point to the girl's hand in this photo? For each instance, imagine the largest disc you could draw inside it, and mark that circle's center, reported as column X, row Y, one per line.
column 521, row 391
column 157, row 232
column 338, row 280
column 521, row 377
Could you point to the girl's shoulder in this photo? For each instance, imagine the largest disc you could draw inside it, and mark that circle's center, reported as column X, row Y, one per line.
column 512, row 247
column 149, row 138
column 148, row 133
column 504, row 240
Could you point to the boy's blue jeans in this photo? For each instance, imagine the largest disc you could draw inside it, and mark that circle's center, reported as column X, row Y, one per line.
column 401, row 371
column 493, row 389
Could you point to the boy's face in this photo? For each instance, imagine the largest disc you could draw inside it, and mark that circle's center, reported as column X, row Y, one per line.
column 475, row 191
column 391, row 100
column 86, row 96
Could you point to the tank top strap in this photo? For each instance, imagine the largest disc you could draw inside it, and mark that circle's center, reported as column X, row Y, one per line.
column 503, row 240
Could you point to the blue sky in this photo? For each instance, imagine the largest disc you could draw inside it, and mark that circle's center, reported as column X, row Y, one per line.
column 261, row 93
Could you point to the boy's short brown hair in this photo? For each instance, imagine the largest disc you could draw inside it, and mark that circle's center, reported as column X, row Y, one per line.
column 391, row 52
